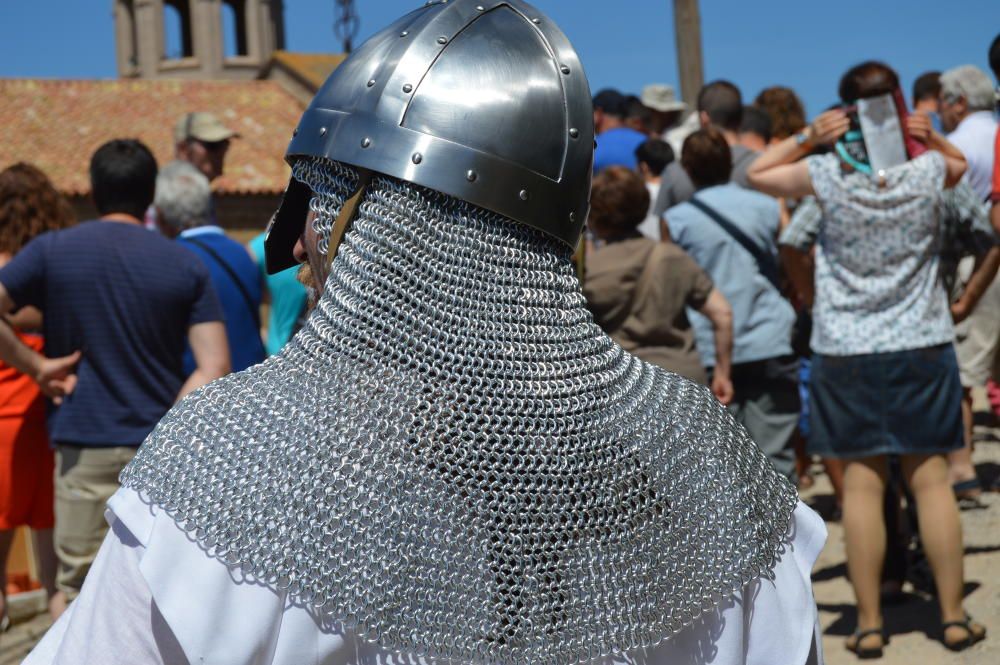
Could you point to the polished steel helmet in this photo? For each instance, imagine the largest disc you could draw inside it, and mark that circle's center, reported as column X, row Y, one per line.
column 484, row 100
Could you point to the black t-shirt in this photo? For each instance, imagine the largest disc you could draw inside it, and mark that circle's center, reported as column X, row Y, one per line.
column 125, row 297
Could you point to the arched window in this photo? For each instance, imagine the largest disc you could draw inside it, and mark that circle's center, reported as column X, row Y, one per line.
column 234, row 28
column 177, row 41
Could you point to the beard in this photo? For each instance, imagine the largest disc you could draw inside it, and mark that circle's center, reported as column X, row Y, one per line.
column 305, row 278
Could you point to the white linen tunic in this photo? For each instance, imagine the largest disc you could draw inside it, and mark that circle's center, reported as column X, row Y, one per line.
column 154, row 597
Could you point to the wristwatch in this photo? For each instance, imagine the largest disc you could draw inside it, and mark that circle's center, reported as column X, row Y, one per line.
column 802, row 140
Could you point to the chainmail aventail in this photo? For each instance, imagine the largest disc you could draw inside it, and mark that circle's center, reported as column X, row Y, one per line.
column 454, row 461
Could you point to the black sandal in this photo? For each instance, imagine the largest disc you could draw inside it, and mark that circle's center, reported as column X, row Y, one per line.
column 863, row 653
column 970, row 638
column 968, row 493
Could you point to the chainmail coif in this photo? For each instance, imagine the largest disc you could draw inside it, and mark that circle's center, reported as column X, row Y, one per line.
column 453, row 460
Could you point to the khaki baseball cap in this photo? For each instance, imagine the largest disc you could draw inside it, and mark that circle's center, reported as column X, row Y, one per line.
column 202, row 126
column 661, row 97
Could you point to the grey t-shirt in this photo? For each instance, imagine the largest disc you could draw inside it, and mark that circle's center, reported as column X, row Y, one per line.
column 677, row 187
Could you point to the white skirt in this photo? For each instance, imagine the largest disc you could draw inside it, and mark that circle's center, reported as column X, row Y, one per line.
column 154, row 597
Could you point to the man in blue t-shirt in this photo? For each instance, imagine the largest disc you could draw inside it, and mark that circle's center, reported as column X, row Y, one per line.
column 616, row 143
column 184, row 211
column 119, row 303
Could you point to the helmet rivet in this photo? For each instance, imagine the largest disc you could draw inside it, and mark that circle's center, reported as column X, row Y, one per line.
column 417, row 158
column 572, row 217
column 322, row 131
column 365, row 142
column 404, row 33
column 407, row 88
column 442, row 40
column 564, row 69
column 523, row 194
column 536, row 21
column 471, row 176
column 371, row 82
column 480, row 8
column 574, row 132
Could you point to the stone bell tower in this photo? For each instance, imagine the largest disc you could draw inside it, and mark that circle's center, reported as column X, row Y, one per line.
column 196, row 39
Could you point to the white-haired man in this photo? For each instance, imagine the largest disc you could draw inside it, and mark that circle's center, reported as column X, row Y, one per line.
column 967, row 103
column 966, row 106
column 184, row 211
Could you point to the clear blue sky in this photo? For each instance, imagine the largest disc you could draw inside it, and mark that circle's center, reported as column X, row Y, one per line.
column 623, row 43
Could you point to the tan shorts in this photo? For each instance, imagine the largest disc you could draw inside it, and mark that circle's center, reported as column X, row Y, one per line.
column 85, row 480
column 978, row 337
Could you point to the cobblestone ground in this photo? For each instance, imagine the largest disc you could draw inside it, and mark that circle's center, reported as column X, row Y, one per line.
column 912, row 625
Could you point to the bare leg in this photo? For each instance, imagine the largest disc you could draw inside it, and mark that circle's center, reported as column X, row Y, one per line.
column 45, row 555
column 941, row 533
column 835, row 471
column 864, row 536
column 960, row 461
column 48, row 567
column 802, row 461
column 6, row 540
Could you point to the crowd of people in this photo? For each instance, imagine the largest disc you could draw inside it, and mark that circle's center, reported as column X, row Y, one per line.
column 842, row 311
column 138, row 309
column 839, row 309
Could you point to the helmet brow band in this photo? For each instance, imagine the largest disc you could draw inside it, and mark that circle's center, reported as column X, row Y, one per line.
column 346, row 216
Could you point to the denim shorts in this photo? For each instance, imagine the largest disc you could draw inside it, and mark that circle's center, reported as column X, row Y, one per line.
column 895, row 403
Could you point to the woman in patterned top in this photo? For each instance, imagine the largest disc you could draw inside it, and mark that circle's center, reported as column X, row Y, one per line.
column 885, row 378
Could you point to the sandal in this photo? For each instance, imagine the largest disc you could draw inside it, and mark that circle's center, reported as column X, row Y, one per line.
column 867, row 653
column 967, row 493
column 970, row 638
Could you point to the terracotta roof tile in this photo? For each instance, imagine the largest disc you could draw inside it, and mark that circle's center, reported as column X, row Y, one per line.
column 312, row 68
column 57, row 125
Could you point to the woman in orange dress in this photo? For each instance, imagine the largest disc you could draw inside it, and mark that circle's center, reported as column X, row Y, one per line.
column 29, row 206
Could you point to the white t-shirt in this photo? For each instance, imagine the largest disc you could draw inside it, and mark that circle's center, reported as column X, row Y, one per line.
column 650, row 226
column 975, row 137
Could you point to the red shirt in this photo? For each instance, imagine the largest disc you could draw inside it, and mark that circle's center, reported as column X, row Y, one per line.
column 19, row 393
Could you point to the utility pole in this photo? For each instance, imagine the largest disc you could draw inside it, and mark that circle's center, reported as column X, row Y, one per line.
column 346, row 24
column 687, row 29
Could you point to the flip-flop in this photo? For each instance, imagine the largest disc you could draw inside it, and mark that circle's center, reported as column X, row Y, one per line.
column 970, row 638
column 867, row 653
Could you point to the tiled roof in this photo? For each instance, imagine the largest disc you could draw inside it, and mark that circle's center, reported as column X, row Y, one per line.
column 57, row 125
column 312, row 68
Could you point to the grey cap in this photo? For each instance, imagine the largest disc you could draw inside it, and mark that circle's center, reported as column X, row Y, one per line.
column 661, row 97
column 484, row 100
